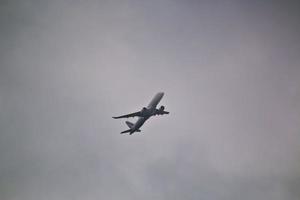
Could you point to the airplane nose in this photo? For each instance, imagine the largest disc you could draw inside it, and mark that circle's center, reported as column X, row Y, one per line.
column 161, row 94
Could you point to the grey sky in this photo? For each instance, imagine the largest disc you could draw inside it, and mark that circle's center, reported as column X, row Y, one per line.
column 230, row 72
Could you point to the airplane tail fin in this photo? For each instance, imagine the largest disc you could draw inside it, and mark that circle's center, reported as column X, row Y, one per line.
column 129, row 124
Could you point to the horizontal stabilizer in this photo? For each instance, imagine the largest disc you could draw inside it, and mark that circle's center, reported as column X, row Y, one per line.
column 130, row 131
column 127, row 131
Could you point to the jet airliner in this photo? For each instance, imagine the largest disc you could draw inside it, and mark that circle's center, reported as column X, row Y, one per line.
column 144, row 114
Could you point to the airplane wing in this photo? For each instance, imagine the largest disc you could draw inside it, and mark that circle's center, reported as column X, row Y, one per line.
column 135, row 114
column 161, row 112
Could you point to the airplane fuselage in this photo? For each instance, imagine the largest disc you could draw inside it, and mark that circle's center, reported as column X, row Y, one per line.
column 149, row 111
column 138, row 124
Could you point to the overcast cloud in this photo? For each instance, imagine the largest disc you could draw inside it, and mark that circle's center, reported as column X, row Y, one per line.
column 230, row 71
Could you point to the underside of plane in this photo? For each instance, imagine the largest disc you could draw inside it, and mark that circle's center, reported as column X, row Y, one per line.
column 144, row 114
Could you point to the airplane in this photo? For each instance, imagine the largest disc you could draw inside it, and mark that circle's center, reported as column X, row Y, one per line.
column 144, row 114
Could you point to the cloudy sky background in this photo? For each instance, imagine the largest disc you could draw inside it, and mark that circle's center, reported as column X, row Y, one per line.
column 230, row 71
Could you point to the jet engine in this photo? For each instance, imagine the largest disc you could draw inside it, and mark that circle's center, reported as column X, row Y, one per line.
column 162, row 108
column 144, row 111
